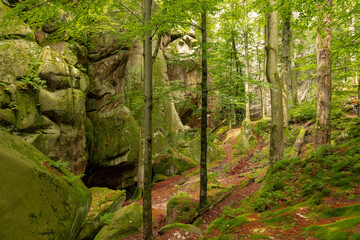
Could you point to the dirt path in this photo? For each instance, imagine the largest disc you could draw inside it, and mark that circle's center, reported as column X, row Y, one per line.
column 230, row 172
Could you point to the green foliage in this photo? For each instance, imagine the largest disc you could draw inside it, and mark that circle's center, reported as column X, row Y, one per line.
column 335, row 231
column 106, row 218
column 31, row 80
column 304, row 112
column 59, row 164
column 226, row 225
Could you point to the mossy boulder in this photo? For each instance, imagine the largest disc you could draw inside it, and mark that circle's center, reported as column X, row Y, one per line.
column 7, row 118
column 54, row 69
column 182, row 227
column 125, row 222
column 26, row 113
column 63, row 106
column 41, row 202
column 116, row 136
column 15, row 56
column 105, row 202
column 180, row 209
column 4, row 98
column 173, row 163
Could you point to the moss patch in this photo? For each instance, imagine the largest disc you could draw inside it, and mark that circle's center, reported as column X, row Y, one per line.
column 125, row 222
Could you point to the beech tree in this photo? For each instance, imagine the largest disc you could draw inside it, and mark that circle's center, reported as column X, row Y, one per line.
column 286, row 61
column 277, row 114
column 323, row 53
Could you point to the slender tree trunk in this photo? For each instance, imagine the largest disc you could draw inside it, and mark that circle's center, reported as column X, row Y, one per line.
column 277, row 117
column 286, row 68
column 323, row 52
column 265, row 91
column 203, row 157
column 247, row 66
column 294, row 88
column 147, row 211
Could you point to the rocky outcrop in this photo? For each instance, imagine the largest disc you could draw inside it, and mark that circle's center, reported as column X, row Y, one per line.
column 42, row 201
column 182, row 69
column 105, row 202
column 125, row 222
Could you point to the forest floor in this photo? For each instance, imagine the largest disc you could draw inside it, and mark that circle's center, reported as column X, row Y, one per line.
column 234, row 179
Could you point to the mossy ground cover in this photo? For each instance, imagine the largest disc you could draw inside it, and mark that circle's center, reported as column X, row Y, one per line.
column 314, row 196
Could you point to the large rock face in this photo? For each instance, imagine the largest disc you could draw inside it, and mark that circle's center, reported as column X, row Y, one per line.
column 92, row 118
column 40, row 202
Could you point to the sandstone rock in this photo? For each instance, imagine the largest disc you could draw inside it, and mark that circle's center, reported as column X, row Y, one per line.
column 64, row 49
column 125, row 222
column 65, row 142
column 180, row 208
column 105, row 202
column 41, row 202
column 4, row 98
column 7, row 118
column 54, row 69
column 63, row 106
column 116, row 136
column 173, row 163
column 15, row 56
column 26, row 113
column 182, row 227
column 107, row 75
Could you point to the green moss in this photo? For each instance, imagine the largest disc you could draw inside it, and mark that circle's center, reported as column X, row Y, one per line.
column 225, row 225
column 159, row 178
column 351, row 210
column 40, row 204
column 181, row 226
column 125, row 222
column 173, row 163
column 334, row 231
column 180, row 208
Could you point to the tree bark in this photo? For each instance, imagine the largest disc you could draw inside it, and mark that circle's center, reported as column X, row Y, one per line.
column 323, row 52
column 286, row 68
column 203, row 157
column 294, row 88
column 247, row 66
column 277, row 117
column 147, row 211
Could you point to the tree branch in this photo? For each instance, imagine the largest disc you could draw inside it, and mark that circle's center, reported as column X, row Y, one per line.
column 134, row 14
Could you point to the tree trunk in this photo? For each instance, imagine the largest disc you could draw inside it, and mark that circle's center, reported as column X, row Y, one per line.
column 294, row 88
column 323, row 52
column 277, row 117
column 203, row 157
column 286, row 68
column 247, row 66
column 147, row 211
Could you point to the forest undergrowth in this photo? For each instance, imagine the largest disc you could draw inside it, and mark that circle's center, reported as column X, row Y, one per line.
column 315, row 195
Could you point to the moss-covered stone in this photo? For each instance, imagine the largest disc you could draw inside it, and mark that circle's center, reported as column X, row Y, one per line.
column 104, row 202
column 116, row 136
column 7, row 118
column 54, row 69
column 41, row 202
column 89, row 137
column 182, row 227
column 4, row 98
column 63, row 106
column 246, row 133
column 125, row 222
column 180, row 208
column 173, row 163
column 159, row 178
column 26, row 112
column 15, row 56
